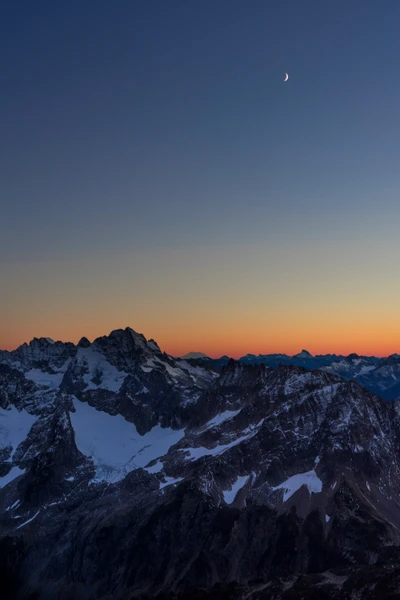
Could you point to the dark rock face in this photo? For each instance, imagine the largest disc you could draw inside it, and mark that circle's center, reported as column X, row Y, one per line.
column 367, row 583
column 125, row 473
column 41, row 352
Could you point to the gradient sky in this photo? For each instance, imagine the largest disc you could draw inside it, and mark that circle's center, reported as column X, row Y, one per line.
column 156, row 172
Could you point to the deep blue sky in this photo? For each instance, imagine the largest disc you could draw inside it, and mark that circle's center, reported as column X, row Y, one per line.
column 133, row 128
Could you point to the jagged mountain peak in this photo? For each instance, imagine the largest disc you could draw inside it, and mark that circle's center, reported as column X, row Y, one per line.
column 122, row 348
column 127, row 335
column 303, row 354
column 393, row 359
column 121, row 363
column 153, row 344
column 42, row 341
column 234, row 370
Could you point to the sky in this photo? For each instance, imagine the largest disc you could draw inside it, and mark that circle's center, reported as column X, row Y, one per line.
column 157, row 172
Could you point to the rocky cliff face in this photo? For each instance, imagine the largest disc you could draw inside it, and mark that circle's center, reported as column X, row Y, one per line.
column 125, row 473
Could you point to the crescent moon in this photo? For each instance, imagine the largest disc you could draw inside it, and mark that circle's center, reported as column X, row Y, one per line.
column 286, row 77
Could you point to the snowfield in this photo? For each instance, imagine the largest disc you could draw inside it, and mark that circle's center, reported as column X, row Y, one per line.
column 230, row 495
column 100, row 373
column 114, row 443
column 200, row 451
column 50, row 380
column 221, row 418
column 294, row 483
column 14, row 427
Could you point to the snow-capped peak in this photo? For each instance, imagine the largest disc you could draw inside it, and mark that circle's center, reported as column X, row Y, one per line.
column 194, row 355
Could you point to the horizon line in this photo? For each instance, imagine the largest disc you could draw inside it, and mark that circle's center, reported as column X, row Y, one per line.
column 213, row 356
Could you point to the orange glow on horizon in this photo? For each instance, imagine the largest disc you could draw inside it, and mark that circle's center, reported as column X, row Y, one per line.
column 216, row 343
column 215, row 300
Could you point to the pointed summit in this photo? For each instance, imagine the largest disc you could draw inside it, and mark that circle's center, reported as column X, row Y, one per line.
column 303, row 354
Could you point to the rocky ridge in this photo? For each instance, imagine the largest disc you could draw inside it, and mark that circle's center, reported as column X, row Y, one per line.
column 380, row 376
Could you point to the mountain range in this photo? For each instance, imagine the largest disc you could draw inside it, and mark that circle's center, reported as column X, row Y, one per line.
column 126, row 473
column 379, row 375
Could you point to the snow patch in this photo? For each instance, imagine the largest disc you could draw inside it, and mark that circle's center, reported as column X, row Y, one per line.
column 327, row 518
column 100, row 373
column 50, row 380
column 221, row 418
column 230, row 495
column 196, row 453
column 156, row 363
column 144, row 390
column 172, row 371
column 14, row 427
column 294, row 483
column 51, row 504
column 170, row 481
column 29, row 520
column 366, row 369
column 196, row 371
column 114, row 443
